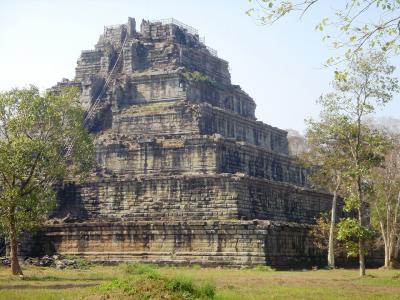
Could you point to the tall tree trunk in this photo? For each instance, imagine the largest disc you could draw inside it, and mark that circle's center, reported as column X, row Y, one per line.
column 396, row 253
column 385, row 236
column 361, row 218
column 389, row 220
column 396, row 233
column 331, row 252
column 15, row 267
column 387, row 257
column 361, row 252
column 361, row 257
column 391, row 252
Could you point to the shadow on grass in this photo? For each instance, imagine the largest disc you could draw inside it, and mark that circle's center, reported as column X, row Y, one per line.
column 57, row 278
column 54, row 287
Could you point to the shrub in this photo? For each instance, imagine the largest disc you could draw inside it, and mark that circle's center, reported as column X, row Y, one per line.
column 185, row 287
column 144, row 282
column 208, row 290
column 78, row 262
column 181, row 284
column 141, row 269
column 198, row 76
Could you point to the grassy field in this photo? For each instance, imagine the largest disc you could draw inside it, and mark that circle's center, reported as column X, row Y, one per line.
column 147, row 282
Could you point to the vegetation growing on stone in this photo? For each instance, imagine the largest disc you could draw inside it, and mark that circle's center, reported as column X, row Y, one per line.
column 200, row 77
column 213, row 186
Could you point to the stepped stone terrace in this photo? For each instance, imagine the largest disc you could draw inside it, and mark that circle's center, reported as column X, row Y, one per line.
column 184, row 173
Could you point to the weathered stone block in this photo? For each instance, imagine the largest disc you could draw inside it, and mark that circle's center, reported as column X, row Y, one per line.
column 184, row 172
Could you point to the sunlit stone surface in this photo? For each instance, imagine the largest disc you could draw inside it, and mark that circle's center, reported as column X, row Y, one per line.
column 184, row 172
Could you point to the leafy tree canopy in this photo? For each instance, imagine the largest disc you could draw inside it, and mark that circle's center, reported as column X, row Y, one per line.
column 350, row 26
column 35, row 131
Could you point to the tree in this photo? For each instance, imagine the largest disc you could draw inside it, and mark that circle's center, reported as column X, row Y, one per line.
column 386, row 200
column 321, row 151
column 366, row 149
column 328, row 161
column 321, row 232
column 367, row 84
column 34, row 132
column 355, row 24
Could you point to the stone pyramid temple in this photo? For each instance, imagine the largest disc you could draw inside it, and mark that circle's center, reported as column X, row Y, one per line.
column 184, row 172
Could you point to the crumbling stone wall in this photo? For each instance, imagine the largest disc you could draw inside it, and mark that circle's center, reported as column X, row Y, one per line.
column 215, row 120
column 205, row 242
column 168, row 118
column 184, row 172
column 189, row 197
column 157, row 156
column 191, row 155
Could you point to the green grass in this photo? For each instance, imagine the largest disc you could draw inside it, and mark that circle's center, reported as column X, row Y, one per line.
column 140, row 281
column 145, row 280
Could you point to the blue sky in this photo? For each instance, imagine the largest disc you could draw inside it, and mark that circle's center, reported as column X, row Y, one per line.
column 280, row 66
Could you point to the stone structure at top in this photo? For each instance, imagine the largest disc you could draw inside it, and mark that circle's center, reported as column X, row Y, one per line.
column 184, row 171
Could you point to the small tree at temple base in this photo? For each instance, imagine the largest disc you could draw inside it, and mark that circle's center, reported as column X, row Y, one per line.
column 328, row 164
column 367, row 83
column 34, row 132
column 385, row 200
column 351, row 234
column 321, row 233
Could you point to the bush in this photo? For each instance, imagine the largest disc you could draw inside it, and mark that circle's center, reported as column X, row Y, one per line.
column 351, row 232
column 78, row 262
column 198, row 76
column 141, row 269
column 144, row 282
column 208, row 290
column 182, row 285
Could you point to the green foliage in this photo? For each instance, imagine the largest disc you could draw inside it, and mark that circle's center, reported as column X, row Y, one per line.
column 343, row 136
column 80, row 263
column 181, row 285
column 207, row 290
column 198, row 76
column 141, row 269
column 351, row 232
column 320, row 235
column 117, row 283
column 340, row 75
column 34, row 130
column 384, row 198
column 145, row 282
column 335, row 139
column 327, row 155
column 350, row 27
column 232, row 283
column 344, row 149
